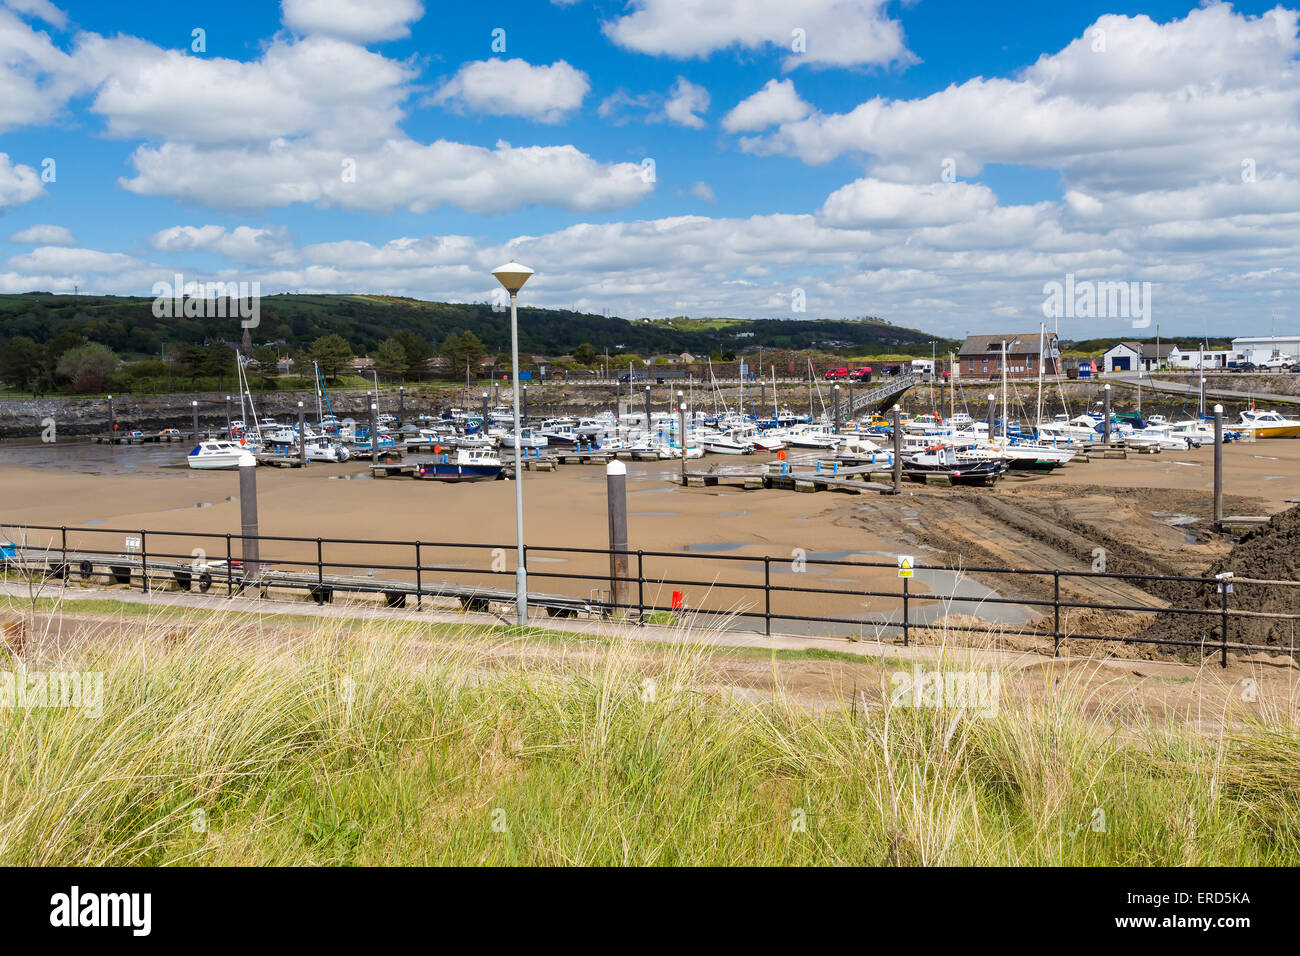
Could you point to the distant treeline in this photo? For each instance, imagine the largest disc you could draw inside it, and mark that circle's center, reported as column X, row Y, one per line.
column 128, row 326
column 1098, row 346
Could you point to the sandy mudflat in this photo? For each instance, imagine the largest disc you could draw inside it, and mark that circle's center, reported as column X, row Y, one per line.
column 136, row 488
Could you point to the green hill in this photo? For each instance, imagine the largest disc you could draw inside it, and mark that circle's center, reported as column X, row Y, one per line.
column 128, row 326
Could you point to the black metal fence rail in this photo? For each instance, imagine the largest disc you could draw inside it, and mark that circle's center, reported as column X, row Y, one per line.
column 320, row 572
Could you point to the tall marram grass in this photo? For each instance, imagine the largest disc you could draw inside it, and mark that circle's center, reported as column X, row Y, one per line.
column 230, row 743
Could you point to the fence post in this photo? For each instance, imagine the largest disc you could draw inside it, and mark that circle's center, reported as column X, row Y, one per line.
column 250, row 546
column 230, row 571
column 320, row 565
column 1218, row 467
column 419, row 579
column 616, row 496
column 1223, row 647
column 640, row 586
column 63, row 533
column 897, row 462
column 144, row 562
column 767, row 595
column 1056, row 613
column 905, row 624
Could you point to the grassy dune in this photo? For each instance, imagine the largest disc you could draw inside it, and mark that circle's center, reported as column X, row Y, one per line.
column 226, row 741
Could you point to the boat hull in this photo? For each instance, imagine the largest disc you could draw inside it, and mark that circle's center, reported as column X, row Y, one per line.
column 450, row 471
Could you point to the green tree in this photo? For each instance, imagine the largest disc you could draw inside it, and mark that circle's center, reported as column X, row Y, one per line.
column 146, row 375
column 20, row 362
column 190, row 363
column 219, row 362
column 461, row 350
column 331, row 352
column 418, row 352
column 87, row 367
column 585, row 354
column 391, row 358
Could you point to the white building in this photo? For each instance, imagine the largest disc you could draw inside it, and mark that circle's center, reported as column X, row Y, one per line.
column 1262, row 348
column 1212, row 358
column 1286, row 344
column 1132, row 356
column 1122, row 357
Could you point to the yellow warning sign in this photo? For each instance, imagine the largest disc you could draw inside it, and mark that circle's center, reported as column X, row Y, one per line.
column 905, row 564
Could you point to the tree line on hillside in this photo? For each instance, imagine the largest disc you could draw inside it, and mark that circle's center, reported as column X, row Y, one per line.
column 128, row 326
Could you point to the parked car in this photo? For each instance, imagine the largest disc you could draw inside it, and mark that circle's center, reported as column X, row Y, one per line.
column 1295, row 369
column 1247, row 367
column 632, row 377
column 837, row 373
column 862, row 374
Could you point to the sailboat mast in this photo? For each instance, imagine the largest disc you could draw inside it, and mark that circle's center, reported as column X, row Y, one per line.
column 1004, row 388
column 1038, row 411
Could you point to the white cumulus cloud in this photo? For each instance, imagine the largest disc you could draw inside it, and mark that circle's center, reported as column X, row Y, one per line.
column 516, row 88
column 685, row 100
column 362, row 21
column 776, row 103
column 44, row 235
column 813, row 32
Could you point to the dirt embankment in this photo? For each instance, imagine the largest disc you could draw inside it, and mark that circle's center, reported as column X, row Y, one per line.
column 1270, row 553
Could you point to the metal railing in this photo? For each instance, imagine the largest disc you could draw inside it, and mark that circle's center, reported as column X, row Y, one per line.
column 746, row 591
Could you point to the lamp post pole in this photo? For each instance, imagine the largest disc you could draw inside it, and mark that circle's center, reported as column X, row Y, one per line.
column 681, row 407
column 512, row 277
column 521, row 573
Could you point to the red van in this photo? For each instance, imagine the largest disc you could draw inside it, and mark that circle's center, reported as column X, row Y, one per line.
column 862, row 374
column 837, row 373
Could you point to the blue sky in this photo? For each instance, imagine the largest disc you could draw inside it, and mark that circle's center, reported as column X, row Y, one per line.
column 931, row 162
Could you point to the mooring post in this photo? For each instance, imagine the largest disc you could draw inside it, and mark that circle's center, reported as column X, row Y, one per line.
column 523, row 416
column 993, row 401
column 681, row 405
column 1106, row 423
column 1218, row 467
column 112, row 423
column 228, row 435
column 848, row 412
column 898, row 450
column 762, row 396
column 374, row 434
column 1202, row 392
column 647, row 409
column 194, row 406
column 401, row 405
column 248, row 516
column 837, row 406
column 616, row 492
column 302, row 434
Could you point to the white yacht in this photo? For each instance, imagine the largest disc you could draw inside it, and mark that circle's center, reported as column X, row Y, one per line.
column 324, row 448
column 216, row 453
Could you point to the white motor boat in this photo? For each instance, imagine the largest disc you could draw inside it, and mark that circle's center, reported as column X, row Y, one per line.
column 323, row 448
column 1080, row 429
column 757, row 439
column 855, row 446
column 671, row 450
column 722, row 443
column 1267, row 424
column 528, row 439
column 216, row 453
column 812, row 436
